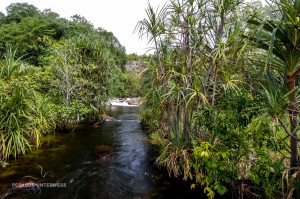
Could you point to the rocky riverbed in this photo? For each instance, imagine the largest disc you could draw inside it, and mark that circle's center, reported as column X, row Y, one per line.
column 135, row 101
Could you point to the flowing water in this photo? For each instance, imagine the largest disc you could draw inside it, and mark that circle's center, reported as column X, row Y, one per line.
column 111, row 161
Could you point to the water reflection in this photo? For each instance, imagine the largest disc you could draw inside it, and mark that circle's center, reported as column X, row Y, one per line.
column 111, row 161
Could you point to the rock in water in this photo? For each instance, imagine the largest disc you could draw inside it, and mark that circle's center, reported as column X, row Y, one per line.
column 104, row 152
column 134, row 101
column 104, row 149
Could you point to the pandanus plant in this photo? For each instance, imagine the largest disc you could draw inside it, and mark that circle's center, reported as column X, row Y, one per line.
column 12, row 66
column 280, row 39
column 25, row 115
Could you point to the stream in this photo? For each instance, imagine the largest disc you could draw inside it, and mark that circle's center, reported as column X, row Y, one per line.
column 111, row 161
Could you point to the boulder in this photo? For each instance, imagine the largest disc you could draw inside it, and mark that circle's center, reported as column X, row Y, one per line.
column 134, row 101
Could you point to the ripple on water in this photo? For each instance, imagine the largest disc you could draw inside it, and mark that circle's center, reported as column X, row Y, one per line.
column 110, row 162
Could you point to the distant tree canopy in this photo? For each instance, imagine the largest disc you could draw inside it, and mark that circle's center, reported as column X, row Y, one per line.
column 17, row 11
column 33, row 31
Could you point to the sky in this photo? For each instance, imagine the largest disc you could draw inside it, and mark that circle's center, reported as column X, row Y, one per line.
column 117, row 16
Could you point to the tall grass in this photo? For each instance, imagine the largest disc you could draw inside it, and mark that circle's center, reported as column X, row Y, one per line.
column 25, row 115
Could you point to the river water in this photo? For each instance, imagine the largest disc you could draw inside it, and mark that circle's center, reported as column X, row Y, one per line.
column 111, row 161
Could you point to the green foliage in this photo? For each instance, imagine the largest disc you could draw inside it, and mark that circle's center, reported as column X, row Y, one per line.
column 75, row 82
column 133, row 57
column 60, row 26
column 11, row 67
column 222, row 142
column 217, row 117
column 25, row 115
column 212, row 168
column 53, row 72
column 17, row 11
column 173, row 156
column 33, row 32
column 131, row 85
column 30, row 36
column 278, row 38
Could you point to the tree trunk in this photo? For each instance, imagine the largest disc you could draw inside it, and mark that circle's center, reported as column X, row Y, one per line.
column 159, row 57
column 293, row 122
column 212, row 66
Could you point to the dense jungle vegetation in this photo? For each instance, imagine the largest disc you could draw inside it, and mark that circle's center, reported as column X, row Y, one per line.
column 222, row 94
column 220, row 91
column 53, row 73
